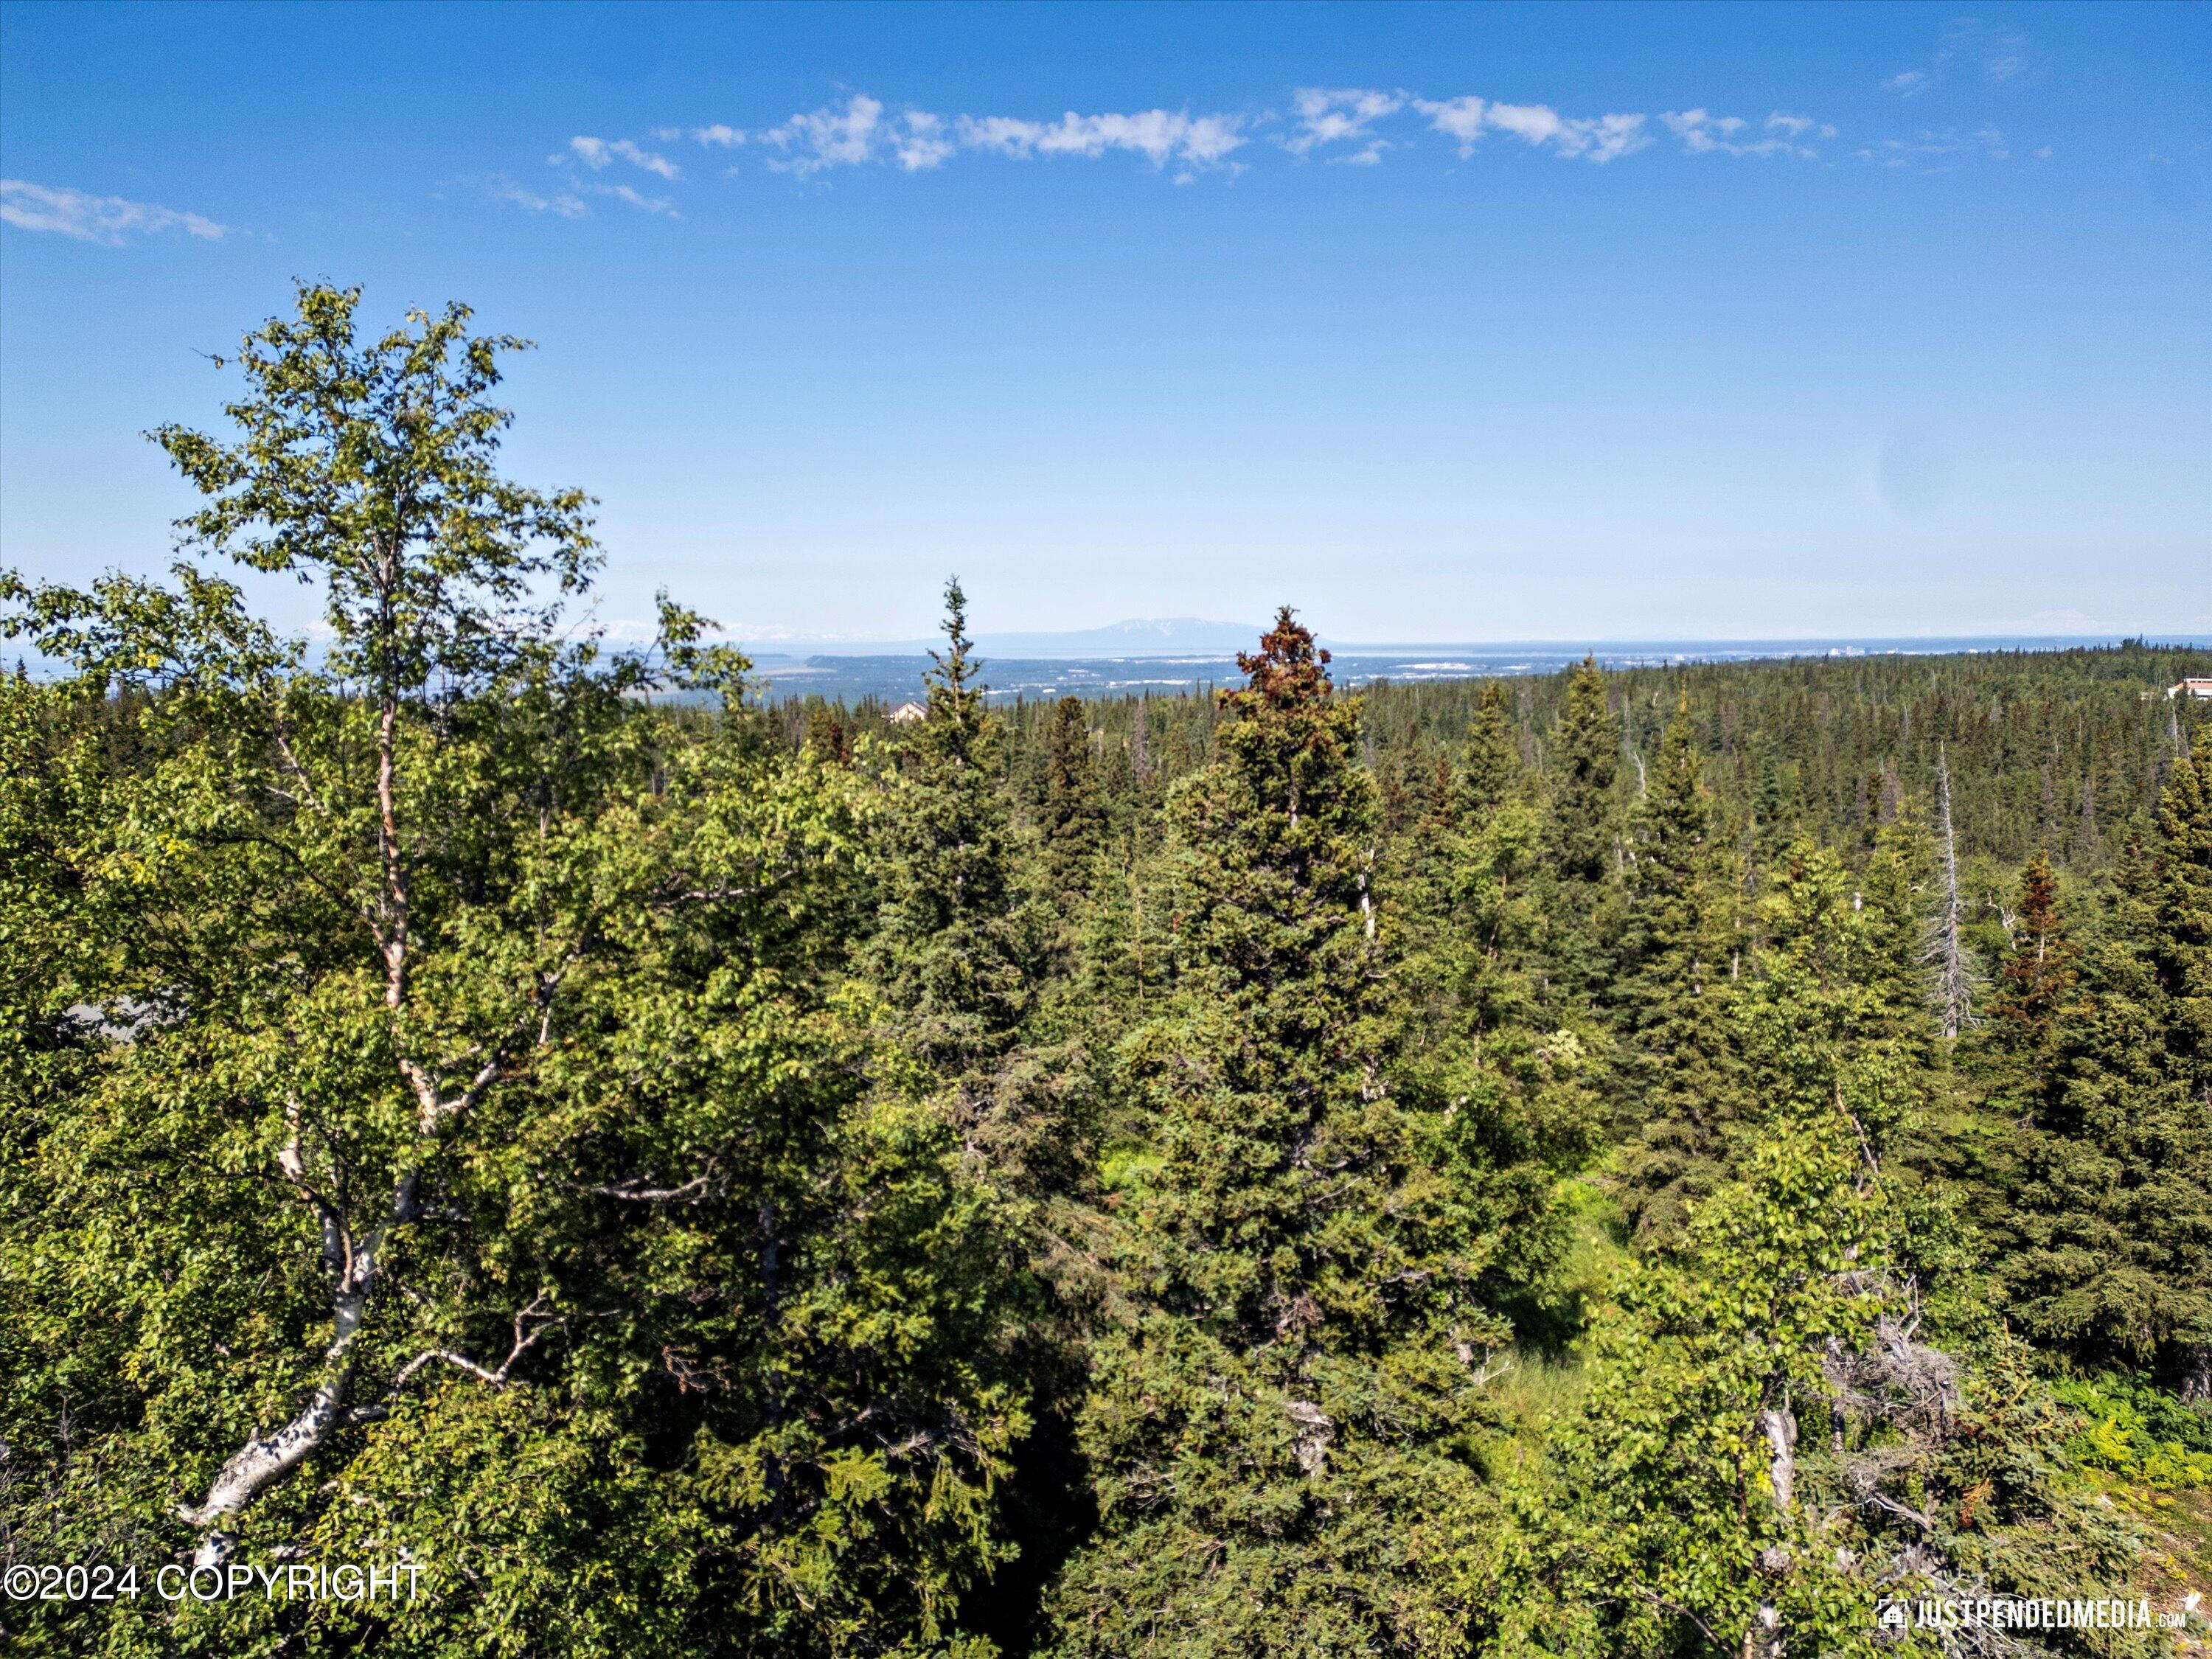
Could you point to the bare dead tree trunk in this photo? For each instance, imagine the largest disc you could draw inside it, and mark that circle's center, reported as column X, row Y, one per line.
column 2197, row 1378
column 1952, row 982
column 1778, row 1425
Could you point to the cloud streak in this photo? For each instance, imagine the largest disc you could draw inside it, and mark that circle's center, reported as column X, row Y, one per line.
column 1704, row 133
column 1337, row 123
column 2000, row 55
column 110, row 221
column 1602, row 138
column 1599, row 138
column 1354, row 125
column 862, row 131
column 1347, row 117
column 567, row 204
column 828, row 137
column 599, row 154
column 1935, row 151
column 1158, row 135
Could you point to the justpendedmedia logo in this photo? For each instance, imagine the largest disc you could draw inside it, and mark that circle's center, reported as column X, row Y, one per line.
column 1953, row 1612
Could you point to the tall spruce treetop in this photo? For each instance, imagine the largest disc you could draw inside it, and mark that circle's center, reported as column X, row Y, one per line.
column 2040, row 972
column 1676, row 1061
column 1493, row 773
column 1277, row 1411
column 2112, row 1223
column 2182, row 949
column 1663, row 933
column 953, row 947
column 1588, row 748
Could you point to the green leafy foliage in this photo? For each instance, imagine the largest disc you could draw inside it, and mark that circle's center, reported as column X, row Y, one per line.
column 1459, row 1168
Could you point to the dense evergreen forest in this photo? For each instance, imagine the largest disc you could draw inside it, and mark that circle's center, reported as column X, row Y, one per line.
column 1649, row 1164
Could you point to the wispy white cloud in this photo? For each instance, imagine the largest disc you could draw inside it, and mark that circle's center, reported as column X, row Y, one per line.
column 829, row 137
column 1346, row 116
column 598, row 153
column 2005, row 57
column 1705, row 133
column 921, row 140
column 637, row 198
column 1796, row 126
column 573, row 200
column 567, row 204
column 1159, row 136
column 1999, row 55
column 861, row 132
column 1596, row 138
column 89, row 218
column 658, row 165
column 1355, row 126
column 1459, row 119
column 1932, row 149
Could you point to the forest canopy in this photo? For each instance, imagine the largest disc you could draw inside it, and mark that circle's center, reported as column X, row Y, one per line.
column 1647, row 1164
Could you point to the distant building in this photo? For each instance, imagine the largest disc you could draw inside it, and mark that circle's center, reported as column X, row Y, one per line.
column 908, row 713
column 2189, row 688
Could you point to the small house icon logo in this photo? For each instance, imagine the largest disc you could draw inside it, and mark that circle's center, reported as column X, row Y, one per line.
column 1890, row 1615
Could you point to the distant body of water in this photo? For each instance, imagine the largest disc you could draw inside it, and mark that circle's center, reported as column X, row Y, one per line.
column 895, row 678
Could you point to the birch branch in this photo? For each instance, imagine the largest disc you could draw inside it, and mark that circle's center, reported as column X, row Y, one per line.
column 525, row 1338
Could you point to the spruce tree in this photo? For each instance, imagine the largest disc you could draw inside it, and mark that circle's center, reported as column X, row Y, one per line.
column 954, row 952
column 2039, row 975
column 1588, row 748
column 1071, row 821
column 1670, row 1001
column 1904, row 905
column 1581, row 835
column 2111, row 1253
column 1278, row 1416
column 1493, row 772
column 970, row 1039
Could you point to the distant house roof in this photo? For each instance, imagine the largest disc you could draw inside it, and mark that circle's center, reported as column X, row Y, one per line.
column 908, row 713
column 2192, row 687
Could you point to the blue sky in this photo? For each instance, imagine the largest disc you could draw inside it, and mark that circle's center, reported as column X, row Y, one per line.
column 1441, row 324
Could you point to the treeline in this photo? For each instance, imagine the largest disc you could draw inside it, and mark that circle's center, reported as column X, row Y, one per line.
column 2051, row 751
column 1629, row 1164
